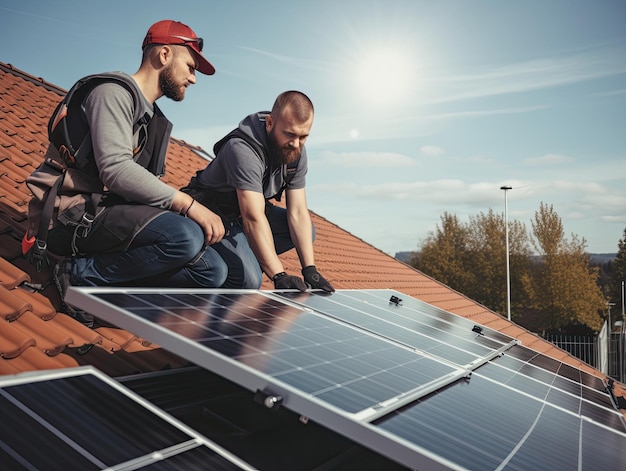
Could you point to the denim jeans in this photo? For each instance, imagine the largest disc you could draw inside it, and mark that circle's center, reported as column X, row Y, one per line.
column 168, row 252
column 244, row 271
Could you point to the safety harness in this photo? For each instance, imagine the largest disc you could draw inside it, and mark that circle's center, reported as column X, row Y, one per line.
column 69, row 133
column 225, row 203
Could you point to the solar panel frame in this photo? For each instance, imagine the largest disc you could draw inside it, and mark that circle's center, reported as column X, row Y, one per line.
column 350, row 425
column 515, row 371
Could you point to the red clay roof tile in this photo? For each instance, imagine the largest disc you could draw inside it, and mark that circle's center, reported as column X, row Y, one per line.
column 13, row 342
column 10, row 275
column 11, row 306
column 39, row 304
column 47, row 338
column 33, row 359
column 79, row 334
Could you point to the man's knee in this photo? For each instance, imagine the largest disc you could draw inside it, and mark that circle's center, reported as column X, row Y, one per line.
column 188, row 238
column 207, row 269
column 253, row 278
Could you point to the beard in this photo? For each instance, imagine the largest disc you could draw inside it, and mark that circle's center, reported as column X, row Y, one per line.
column 281, row 155
column 169, row 87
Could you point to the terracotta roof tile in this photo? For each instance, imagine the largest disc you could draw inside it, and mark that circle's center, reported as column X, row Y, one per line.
column 121, row 338
column 11, row 306
column 13, row 341
column 47, row 338
column 10, row 275
column 33, row 359
column 109, row 345
column 26, row 102
column 38, row 303
column 79, row 334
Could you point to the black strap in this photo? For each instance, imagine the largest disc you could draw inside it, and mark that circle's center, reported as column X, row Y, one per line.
column 156, row 165
column 290, row 169
column 39, row 251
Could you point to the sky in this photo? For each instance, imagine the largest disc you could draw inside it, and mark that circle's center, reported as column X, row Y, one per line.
column 422, row 107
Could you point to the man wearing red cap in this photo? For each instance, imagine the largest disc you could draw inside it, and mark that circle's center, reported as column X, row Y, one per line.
column 113, row 219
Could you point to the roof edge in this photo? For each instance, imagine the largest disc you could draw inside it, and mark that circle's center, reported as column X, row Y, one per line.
column 10, row 68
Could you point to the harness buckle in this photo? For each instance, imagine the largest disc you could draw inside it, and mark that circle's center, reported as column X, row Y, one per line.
column 84, row 226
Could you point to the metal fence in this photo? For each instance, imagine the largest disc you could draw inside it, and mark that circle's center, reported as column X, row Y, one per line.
column 592, row 349
column 584, row 347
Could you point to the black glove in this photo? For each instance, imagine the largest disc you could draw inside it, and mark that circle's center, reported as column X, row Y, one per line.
column 313, row 278
column 283, row 281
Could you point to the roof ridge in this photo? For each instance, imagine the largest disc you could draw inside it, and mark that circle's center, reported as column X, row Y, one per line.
column 10, row 68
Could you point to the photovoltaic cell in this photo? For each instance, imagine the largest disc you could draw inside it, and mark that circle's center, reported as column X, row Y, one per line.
column 449, row 338
column 80, row 419
column 424, row 387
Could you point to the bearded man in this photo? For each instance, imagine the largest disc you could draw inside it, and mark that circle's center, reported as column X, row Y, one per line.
column 109, row 215
column 260, row 160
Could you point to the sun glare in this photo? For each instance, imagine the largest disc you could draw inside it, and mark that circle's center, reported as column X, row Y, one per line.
column 384, row 76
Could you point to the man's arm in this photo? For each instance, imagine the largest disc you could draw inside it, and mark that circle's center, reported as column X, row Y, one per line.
column 300, row 226
column 109, row 108
column 301, row 231
column 211, row 223
column 258, row 231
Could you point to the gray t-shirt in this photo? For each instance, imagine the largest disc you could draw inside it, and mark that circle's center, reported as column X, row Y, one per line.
column 238, row 166
column 109, row 112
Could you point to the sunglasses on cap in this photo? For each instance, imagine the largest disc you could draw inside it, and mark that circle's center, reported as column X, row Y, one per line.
column 198, row 41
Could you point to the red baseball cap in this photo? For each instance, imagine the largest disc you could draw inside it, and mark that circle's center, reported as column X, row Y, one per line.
column 174, row 32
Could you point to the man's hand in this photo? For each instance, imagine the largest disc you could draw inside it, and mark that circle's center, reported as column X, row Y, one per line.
column 211, row 223
column 316, row 281
column 284, row 281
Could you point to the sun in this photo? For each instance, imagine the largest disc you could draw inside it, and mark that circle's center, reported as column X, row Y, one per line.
column 384, row 76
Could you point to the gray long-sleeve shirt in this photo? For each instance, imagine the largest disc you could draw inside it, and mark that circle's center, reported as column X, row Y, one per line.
column 109, row 112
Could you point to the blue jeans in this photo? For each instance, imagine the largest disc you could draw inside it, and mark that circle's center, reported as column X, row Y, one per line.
column 244, row 271
column 168, row 252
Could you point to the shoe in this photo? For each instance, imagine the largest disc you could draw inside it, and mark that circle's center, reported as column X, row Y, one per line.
column 61, row 277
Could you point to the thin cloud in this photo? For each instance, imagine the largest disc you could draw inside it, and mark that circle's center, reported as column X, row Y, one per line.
column 532, row 75
column 548, row 159
column 368, row 159
column 612, row 219
column 433, row 151
column 611, row 93
column 304, row 63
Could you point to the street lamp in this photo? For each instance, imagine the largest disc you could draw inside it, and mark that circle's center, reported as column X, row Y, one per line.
column 506, row 188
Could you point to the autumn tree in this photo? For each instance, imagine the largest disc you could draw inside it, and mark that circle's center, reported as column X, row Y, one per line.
column 487, row 261
column 566, row 289
column 443, row 254
column 470, row 258
column 553, row 290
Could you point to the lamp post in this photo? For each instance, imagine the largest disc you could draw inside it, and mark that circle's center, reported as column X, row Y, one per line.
column 506, row 188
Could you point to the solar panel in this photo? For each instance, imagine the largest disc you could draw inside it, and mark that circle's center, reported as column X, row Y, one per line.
column 415, row 383
column 78, row 418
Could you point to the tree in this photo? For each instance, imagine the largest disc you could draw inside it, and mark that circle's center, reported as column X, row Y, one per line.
column 443, row 254
column 470, row 258
column 566, row 288
column 555, row 290
column 487, row 260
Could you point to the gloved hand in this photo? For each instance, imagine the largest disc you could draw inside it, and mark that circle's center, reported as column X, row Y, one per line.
column 284, row 281
column 313, row 278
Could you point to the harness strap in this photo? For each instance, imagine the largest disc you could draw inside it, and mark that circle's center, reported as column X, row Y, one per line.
column 39, row 251
column 289, row 169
